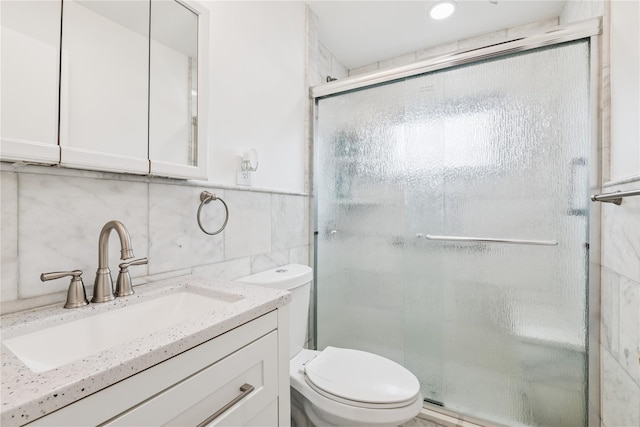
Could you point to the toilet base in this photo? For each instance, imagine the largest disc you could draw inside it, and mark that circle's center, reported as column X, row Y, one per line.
column 310, row 409
column 303, row 414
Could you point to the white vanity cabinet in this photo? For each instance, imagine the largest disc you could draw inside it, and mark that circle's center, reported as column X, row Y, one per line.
column 235, row 379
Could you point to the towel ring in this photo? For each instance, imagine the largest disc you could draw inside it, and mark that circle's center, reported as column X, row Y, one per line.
column 206, row 197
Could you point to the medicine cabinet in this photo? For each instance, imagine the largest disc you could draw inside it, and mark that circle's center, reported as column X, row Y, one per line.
column 29, row 80
column 114, row 87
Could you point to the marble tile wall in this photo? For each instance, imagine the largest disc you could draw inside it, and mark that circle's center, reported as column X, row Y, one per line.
column 620, row 314
column 51, row 220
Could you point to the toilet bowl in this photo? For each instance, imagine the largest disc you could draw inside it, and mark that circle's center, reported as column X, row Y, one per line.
column 338, row 386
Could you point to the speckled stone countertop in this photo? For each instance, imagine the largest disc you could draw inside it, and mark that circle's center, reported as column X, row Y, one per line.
column 27, row 395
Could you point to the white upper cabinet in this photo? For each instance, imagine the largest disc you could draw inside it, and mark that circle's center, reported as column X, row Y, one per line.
column 30, row 39
column 104, row 85
column 178, row 50
column 124, row 75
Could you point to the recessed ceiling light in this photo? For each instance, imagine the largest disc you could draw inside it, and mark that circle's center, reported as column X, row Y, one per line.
column 442, row 9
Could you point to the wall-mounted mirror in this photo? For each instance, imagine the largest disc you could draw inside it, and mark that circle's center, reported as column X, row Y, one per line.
column 30, row 62
column 104, row 85
column 173, row 83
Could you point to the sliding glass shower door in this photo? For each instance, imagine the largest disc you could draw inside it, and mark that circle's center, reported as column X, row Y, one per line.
column 451, row 219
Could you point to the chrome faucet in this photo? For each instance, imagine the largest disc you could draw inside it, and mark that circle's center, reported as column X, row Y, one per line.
column 103, row 285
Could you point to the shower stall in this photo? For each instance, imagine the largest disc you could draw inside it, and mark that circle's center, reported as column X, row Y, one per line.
column 452, row 224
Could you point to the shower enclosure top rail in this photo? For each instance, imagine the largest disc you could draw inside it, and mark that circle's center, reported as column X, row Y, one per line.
column 560, row 34
column 615, row 197
column 492, row 240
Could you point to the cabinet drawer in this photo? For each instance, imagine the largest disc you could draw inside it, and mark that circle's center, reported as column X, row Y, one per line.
column 197, row 397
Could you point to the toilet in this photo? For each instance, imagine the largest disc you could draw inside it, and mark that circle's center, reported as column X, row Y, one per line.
column 338, row 386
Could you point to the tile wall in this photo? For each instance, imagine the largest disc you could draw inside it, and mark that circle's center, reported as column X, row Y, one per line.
column 620, row 314
column 52, row 217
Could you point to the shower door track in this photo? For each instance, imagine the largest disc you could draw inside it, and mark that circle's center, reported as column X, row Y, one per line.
column 561, row 34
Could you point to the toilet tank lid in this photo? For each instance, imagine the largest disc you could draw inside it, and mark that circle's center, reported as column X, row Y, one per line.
column 287, row 277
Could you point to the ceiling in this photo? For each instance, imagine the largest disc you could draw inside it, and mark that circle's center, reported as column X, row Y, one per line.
column 363, row 32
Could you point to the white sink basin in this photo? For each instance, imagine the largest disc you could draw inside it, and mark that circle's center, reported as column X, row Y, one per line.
column 56, row 346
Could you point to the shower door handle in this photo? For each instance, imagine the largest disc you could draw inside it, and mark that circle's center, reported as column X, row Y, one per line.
column 574, row 208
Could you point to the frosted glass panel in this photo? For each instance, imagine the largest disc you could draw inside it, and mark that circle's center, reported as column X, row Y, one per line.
column 497, row 149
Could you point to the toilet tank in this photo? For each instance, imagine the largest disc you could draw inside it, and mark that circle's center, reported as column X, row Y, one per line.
column 295, row 278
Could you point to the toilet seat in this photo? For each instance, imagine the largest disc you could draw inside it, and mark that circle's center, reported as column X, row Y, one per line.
column 361, row 379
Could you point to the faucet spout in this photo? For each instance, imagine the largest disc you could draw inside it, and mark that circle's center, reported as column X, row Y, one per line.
column 103, row 285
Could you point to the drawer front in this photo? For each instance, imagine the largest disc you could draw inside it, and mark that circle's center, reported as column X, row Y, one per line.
column 215, row 390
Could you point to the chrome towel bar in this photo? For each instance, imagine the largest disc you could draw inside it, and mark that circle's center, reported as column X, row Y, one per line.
column 615, row 197
column 491, row 240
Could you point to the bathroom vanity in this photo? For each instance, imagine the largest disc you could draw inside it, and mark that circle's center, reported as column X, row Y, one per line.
column 226, row 363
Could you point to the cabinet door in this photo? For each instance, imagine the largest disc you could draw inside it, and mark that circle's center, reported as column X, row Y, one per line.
column 104, row 85
column 232, row 392
column 30, row 38
column 177, row 89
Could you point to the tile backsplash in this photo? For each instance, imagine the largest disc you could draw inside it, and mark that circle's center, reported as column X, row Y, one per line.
column 51, row 220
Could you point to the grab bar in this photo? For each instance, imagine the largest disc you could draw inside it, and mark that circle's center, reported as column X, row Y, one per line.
column 615, row 197
column 492, row 240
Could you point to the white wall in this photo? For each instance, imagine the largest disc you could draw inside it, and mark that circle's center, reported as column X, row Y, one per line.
column 625, row 89
column 257, row 73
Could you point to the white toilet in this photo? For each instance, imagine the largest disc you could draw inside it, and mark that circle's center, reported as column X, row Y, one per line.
column 337, row 386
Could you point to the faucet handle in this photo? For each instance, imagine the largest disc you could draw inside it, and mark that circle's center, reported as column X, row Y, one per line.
column 123, row 285
column 139, row 261
column 76, row 294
